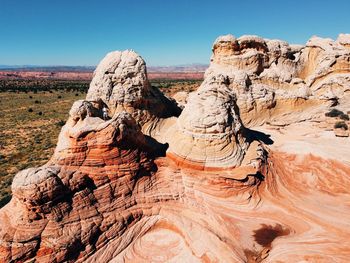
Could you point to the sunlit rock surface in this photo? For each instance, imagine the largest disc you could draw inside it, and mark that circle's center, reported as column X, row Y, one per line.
column 120, row 82
column 244, row 169
column 272, row 79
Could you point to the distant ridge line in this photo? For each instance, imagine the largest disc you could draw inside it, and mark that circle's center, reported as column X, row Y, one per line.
column 163, row 69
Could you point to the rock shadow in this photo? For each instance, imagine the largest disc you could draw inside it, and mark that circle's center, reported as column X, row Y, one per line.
column 157, row 149
column 253, row 135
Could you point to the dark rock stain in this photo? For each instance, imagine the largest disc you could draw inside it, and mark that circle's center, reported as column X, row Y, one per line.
column 268, row 233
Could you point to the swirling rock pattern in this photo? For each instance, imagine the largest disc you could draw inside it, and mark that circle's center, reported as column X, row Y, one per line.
column 154, row 184
column 209, row 131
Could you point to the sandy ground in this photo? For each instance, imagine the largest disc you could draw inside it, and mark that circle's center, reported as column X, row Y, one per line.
column 306, row 138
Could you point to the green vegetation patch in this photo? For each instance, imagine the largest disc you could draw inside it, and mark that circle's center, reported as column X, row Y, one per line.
column 170, row 86
column 37, row 85
column 29, row 130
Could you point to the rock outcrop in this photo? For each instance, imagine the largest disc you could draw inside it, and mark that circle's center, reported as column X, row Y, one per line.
column 272, row 78
column 120, row 82
column 209, row 131
column 160, row 183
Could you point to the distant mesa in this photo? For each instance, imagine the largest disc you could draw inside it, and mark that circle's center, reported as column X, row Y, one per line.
column 165, row 69
column 181, row 72
column 48, row 68
column 161, row 180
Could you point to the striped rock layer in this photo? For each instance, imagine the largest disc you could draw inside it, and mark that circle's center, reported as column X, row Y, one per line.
column 157, row 183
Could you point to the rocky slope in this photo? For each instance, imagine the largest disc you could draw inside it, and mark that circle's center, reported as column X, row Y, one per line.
column 195, row 181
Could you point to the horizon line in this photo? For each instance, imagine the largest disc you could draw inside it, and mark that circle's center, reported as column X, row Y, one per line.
column 8, row 66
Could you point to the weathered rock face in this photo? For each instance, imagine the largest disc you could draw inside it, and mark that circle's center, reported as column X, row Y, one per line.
column 154, row 184
column 60, row 207
column 120, row 81
column 344, row 39
column 246, row 53
column 269, row 75
column 209, row 131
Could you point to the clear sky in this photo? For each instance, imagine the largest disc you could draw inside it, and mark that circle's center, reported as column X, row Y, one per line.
column 163, row 32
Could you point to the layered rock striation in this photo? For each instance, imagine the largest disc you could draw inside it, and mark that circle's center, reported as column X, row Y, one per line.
column 155, row 182
column 209, row 132
column 271, row 77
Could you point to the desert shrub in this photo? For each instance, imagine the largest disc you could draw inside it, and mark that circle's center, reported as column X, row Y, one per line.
column 59, row 97
column 30, row 97
column 40, row 113
column 37, row 101
column 344, row 117
column 60, row 123
column 76, row 94
column 341, row 125
column 30, row 110
column 334, row 113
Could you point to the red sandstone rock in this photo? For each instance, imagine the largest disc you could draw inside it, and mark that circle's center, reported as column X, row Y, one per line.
column 218, row 194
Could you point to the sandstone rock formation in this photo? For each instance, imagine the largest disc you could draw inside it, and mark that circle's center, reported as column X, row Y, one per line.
column 271, row 77
column 209, row 131
column 120, row 81
column 162, row 183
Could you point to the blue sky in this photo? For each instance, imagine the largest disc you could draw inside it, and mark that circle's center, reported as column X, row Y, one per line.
column 163, row 32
